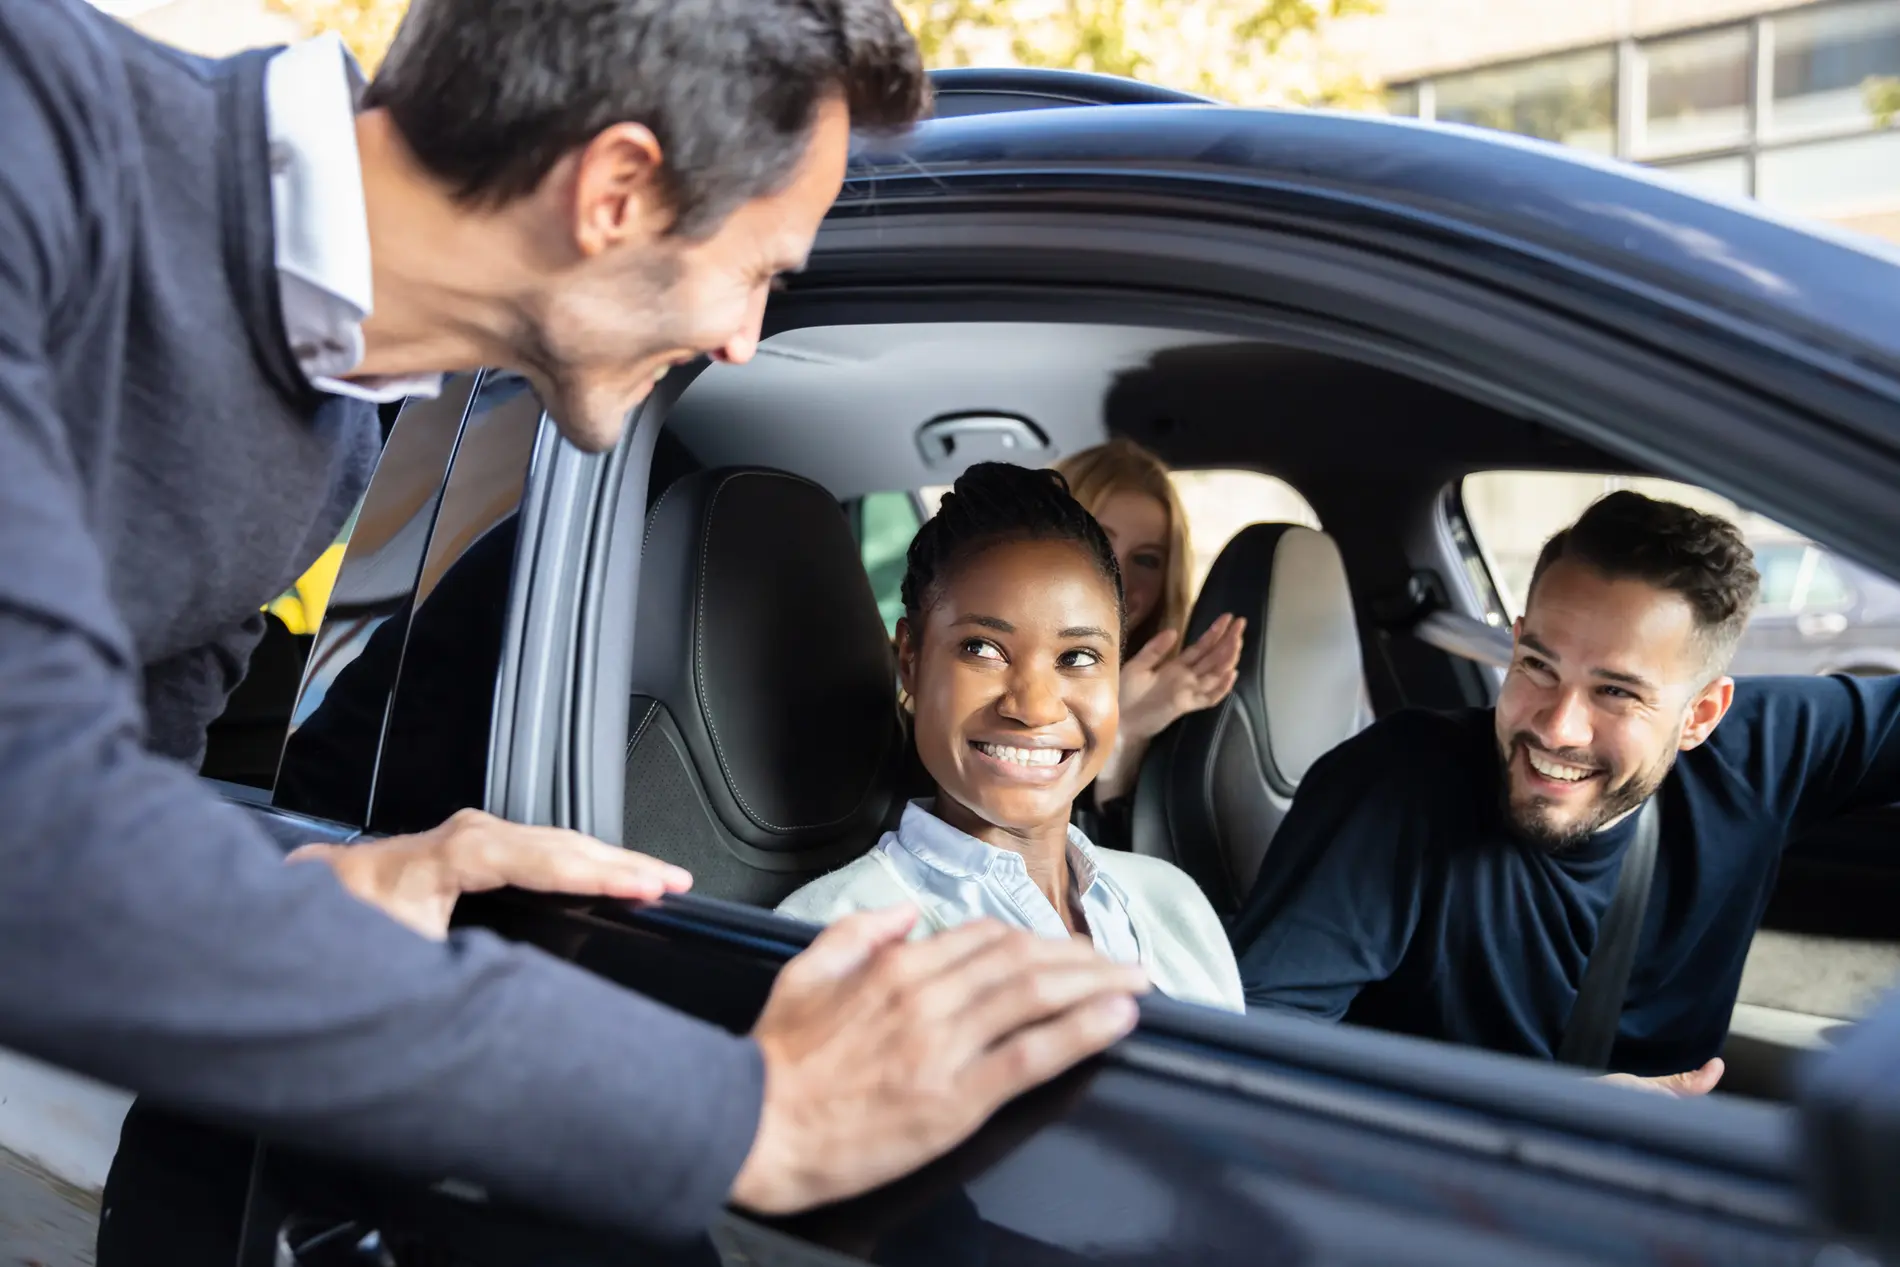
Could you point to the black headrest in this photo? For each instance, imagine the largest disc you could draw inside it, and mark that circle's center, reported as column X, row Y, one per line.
column 758, row 631
column 1302, row 675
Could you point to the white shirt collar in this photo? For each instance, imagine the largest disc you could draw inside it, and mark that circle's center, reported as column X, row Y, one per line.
column 960, row 853
column 321, row 220
column 969, row 879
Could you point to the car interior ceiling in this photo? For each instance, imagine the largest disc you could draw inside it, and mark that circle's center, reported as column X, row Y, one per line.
column 1373, row 452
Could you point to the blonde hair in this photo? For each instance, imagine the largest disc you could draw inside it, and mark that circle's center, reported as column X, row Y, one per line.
column 1122, row 466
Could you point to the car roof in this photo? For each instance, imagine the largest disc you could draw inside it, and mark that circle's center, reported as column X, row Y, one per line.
column 1825, row 287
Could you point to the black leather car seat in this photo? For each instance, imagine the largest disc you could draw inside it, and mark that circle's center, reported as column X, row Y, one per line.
column 1216, row 786
column 765, row 745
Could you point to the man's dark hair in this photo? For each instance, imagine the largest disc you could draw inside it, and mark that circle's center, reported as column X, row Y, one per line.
column 491, row 94
column 1701, row 557
column 991, row 504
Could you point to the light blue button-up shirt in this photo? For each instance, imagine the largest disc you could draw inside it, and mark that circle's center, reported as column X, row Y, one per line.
column 1139, row 910
column 979, row 881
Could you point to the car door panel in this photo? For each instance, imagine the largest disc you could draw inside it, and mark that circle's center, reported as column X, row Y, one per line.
column 1199, row 1141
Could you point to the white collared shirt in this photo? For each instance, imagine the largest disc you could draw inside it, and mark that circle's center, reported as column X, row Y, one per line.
column 320, row 218
column 981, row 881
column 1139, row 910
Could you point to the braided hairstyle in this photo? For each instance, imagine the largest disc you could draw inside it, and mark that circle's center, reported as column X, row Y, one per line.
column 995, row 503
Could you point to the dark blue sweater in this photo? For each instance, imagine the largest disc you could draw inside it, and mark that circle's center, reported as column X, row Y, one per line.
column 164, row 470
column 1395, row 896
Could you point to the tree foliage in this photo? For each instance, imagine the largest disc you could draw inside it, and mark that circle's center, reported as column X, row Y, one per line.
column 1882, row 93
column 366, row 26
column 1254, row 52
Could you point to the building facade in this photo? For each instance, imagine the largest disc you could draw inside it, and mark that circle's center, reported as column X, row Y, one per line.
column 1797, row 106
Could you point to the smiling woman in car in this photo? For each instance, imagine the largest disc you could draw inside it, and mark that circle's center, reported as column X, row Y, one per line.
column 1010, row 648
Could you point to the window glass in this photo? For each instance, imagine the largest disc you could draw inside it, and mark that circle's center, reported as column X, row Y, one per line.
column 1824, row 58
column 1827, row 589
column 1221, row 503
column 1512, row 514
column 1857, row 175
column 1218, row 505
column 1727, row 176
column 1697, row 91
column 1780, row 566
column 1570, row 98
column 1402, row 100
column 886, row 524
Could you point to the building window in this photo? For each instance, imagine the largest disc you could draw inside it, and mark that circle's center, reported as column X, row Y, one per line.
column 1823, row 61
column 1695, row 91
column 1800, row 108
column 1569, row 98
column 1728, row 175
column 1854, row 176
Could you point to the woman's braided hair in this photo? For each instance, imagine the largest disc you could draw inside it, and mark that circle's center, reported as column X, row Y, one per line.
column 991, row 504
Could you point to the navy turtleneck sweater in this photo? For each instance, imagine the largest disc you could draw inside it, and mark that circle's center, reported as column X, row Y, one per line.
column 1395, row 895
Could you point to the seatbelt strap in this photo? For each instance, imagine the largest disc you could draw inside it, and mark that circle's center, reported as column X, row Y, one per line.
column 1468, row 639
column 1590, row 1032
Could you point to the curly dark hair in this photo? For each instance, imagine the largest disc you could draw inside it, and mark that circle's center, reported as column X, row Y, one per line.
column 995, row 503
column 1702, row 557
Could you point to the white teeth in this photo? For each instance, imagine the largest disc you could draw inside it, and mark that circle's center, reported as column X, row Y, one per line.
column 1022, row 756
column 1556, row 769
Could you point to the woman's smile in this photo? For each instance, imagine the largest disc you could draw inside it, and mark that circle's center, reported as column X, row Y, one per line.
column 1023, row 761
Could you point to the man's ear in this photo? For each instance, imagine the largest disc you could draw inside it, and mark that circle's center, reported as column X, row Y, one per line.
column 907, row 656
column 619, row 196
column 1706, row 711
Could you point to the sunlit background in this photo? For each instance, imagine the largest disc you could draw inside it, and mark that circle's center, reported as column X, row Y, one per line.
column 1794, row 105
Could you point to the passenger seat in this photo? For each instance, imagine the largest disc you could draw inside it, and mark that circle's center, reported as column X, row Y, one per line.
column 765, row 745
column 1218, row 783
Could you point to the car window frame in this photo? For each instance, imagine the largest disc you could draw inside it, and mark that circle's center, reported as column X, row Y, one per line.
column 1371, row 1077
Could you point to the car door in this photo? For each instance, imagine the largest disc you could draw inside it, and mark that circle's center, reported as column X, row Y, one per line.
column 1203, row 1138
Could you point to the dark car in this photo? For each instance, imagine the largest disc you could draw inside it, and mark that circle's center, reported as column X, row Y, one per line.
column 676, row 647
column 1820, row 613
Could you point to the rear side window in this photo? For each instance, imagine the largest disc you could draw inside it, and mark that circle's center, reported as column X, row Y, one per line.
column 1219, row 503
column 885, row 523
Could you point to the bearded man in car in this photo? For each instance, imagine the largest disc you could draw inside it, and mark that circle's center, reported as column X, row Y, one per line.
column 1448, row 875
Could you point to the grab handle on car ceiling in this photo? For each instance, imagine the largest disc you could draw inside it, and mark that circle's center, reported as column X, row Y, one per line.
column 957, row 441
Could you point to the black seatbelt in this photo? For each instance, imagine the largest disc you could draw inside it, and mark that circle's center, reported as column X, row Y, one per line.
column 1590, row 1032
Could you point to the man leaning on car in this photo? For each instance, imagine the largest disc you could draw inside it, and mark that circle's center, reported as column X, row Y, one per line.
column 209, row 271
column 1448, row 875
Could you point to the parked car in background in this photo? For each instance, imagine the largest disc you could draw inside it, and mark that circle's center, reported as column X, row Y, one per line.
column 1820, row 613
